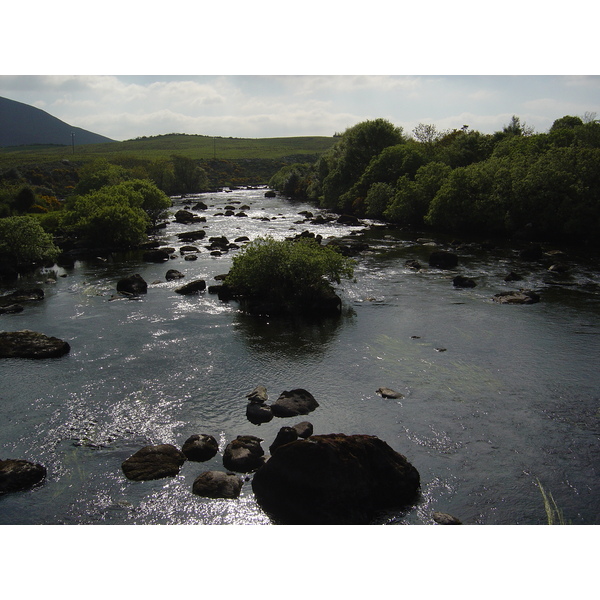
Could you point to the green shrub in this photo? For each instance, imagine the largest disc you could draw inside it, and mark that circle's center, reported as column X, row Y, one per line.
column 287, row 270
column 23, row 240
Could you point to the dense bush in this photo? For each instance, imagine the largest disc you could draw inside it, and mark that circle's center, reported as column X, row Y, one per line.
column 23, row 241
column 512, row 182
column 286, row 270
column 115, row 216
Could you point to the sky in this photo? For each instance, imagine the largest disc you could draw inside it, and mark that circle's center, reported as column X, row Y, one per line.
column 242, row 69
column 124, row 107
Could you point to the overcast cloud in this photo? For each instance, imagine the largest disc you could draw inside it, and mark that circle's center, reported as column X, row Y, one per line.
column 125, row 107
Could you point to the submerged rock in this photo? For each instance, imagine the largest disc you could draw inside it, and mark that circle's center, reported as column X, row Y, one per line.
column 334, row 479
column 388, row 393
column 30, row 344
column 445, row 519
column 463, row 282
column 21, row 296
column 293, row 403
column 520, row 297
column 153, row 462
column 17, row 475
column 217, row 484
column 443, row 259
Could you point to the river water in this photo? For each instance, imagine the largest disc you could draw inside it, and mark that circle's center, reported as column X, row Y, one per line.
column 496, row 397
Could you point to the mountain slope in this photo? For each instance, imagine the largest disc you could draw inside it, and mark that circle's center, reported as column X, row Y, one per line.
column 22, row 124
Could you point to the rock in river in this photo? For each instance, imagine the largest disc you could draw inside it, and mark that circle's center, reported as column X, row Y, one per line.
column 134, row 285
column 217, row 484
column 334, row 479
column 520, row 297
column 244, row 454
column 294, row 403
column 153, row 462
column 388, row 393
column 30, row 344
column 200, row 447
column 193, row 287
column 17, row 475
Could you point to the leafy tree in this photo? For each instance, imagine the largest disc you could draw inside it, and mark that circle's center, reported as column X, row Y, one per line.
column 24, row 199
column 351, row 155
column 473, row 199
column 559, row 194
column 390, row 164
column 378, row 197
column 112, row 217
column 98, row 174
column 412, row 198
column 23, row 240
column 294, row 180
column 566, row 122
column 155, row 203
column 188, row 176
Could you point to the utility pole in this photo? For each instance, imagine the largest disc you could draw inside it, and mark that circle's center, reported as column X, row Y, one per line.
column 73, row 141
column 214, row 147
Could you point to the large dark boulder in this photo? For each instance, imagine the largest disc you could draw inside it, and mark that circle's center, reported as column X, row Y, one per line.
column 18, row 475
column 200, row 448
column 173, row 274
column 293, row 403
column 244, row 454
column 193, row 287
column 192, row 236
column 258, row 413
column 334, row 480
column 217, row 484
column 30, row 344
column 153, row 462
column 132, row 285
column 185, row 217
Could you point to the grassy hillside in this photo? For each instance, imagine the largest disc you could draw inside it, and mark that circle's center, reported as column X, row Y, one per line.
column 163, row 146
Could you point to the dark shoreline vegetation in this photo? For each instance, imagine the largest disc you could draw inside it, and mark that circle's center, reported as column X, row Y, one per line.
column 513, row 184
column 526, row 189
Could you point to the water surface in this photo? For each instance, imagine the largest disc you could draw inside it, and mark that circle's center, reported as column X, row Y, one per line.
column 495, row 396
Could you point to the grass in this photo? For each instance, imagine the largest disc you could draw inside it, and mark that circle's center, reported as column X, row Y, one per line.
column 163, row 146
column 553, row 513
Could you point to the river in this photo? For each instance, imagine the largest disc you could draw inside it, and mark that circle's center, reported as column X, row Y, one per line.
column 496, row 397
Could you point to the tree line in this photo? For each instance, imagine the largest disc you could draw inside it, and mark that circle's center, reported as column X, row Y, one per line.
column 513, row 183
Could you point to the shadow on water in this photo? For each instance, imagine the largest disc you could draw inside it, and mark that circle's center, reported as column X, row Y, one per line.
column 288, row 336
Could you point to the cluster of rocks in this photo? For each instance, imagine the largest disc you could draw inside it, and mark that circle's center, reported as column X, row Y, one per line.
column 305, row 478
column 14, row 302
column 289, row 404
column 447, row 260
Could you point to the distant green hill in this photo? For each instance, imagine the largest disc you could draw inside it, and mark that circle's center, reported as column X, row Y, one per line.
column 25, row 125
